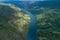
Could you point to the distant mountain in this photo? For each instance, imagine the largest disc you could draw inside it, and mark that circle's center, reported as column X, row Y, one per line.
column 29, row 6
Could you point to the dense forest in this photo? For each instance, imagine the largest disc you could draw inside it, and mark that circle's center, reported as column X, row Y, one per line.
column 48, row 22
column 13, row 22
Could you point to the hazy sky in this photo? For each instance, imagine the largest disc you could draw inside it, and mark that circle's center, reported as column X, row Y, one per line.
column 21, row 0
column 29, row 0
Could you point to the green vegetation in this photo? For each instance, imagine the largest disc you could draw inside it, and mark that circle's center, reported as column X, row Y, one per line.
column 48, row 22
column 13, row 23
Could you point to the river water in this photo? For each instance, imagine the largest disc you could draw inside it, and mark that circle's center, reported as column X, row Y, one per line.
column 31, row 35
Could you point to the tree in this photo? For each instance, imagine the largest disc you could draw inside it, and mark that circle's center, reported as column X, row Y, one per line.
column 13, row 22
column 49, row 21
